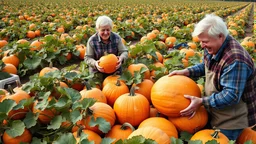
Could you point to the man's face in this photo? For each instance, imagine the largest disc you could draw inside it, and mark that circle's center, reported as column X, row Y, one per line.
column 211, row 44
column 104, row 32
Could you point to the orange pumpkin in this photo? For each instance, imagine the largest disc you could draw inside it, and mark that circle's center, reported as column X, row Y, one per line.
column 110, row 79
column 113, row 90
column 91, row 136
column 36, row 45
column 153, row 133
column 118, row 131
column 247, row 134
column 209, row 134
column 3, row 94
column 167, row 94
column 12, row 59
column 47, row 69
column 108, row 63
column 144, row 88
column 3, row 43
column 136, row 67
column 95, row 93
column 192, row 125
column 17, row 97
column 132, row 108
column 46, row 115
column 102, row 110
column 10, row 68
column 25, row 137
column 161, row 123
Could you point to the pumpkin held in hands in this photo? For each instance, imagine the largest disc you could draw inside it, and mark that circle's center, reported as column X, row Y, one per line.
column 108, row 63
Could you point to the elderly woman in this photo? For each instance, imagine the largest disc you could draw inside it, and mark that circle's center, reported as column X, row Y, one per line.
column 104, row 40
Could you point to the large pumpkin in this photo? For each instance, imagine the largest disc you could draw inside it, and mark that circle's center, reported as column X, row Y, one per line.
column 161, row 123
column 108, row 63
column 118, row 132
column 247, row 134
column 153, row 133
column 208, row 135
column 167, row 94
column 132, row 108
column 25, row 137
column 196, row 123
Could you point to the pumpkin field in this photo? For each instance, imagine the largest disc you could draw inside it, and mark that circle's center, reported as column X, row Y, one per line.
column 58, row 100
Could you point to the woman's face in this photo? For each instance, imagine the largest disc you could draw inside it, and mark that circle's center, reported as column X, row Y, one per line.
column 104, row 32
column 211, row 44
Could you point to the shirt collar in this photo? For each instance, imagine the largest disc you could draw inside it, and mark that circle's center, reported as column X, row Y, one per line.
column 219, row 53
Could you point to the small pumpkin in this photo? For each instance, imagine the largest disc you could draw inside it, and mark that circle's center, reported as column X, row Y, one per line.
column 153, row 133
column 110, row 79
column 118, row 132
column 247, row 134
column 108, row 62
column 25, row 137
column 210, row 134
column 12, row 59
column 144, row 88
column 132, row 108
column 47, row 69
column 136, row 67
column 167, row 94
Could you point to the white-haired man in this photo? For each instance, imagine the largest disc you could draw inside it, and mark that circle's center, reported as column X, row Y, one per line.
column 230, row 85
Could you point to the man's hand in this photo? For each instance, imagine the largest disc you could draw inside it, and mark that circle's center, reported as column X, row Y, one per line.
column 195, row 103
column 101, row 69
column 119, row 62
column 184, row 72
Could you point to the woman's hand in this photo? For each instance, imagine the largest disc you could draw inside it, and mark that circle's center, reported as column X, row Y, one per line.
column 99, row 68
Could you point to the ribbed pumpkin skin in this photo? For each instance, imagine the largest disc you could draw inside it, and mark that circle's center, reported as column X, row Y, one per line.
column 153, row 133
column 247, row 134
column 205, row 135
column 192, row 125
column 112, row 91
column 110, row 79
column 145, row 88
column 167, row 94
column 92, row 136
column 102, row 110
column 25, row 137
column 131, row 109
column 95, row 93
column 117, row 133
column 161, row 123
column 108, row 63
column 136, row 67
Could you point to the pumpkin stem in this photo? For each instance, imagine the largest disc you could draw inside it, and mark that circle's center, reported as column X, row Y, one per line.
column 87, row 85
column 132, row 90
column 10, row 89
column 18, row 83
column 254, row 127
column 118, row 83
column 216, row 133
column 79, row 131
column 105, row 53
column 89, row 111
column 125, row 125
column 50, row 65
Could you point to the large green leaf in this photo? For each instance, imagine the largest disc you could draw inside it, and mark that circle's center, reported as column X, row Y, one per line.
column 66, row 138
column 30, row 119
column 55, row 122
column 17, row 128
column 103, row 125
column 32, row 63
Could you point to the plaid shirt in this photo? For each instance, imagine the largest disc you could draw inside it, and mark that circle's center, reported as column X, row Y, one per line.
column 96, row 48
column 235, row 77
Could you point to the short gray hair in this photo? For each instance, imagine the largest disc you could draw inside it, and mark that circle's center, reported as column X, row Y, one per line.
column 104, row 21
column 212, row 24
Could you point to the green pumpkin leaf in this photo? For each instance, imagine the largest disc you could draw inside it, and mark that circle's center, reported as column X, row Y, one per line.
column 7, row 105
column 107, row 140
column 72, row 94
column 30, row 119
column 17, row 128
column 32, row 63
column 55, row 122
column 35, row 140
column 103, row 125
column 186, row 136
column 176, row 141
column 66, row 138
column 62, row 103
column 75, row 116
